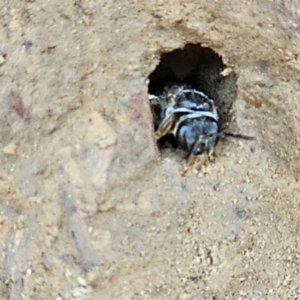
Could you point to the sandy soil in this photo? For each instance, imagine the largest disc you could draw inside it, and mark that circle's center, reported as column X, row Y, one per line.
column 90, row 209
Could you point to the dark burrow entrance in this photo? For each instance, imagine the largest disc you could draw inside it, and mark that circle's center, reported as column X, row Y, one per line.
column 201, row 69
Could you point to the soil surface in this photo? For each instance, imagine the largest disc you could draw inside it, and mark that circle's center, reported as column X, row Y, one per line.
column 90, row 208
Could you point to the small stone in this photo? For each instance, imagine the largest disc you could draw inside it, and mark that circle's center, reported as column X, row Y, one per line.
column 184, row 296
column 81, row 281
column 10, row 149
column 68, row 273
column 2, row 60
column 226, row 72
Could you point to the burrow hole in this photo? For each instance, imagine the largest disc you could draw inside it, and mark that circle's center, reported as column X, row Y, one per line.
column 199, row 67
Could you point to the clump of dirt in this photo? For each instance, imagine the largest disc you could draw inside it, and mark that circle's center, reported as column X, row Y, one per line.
column 89, row 207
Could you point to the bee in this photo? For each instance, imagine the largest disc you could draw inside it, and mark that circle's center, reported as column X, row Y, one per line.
column 191, row 117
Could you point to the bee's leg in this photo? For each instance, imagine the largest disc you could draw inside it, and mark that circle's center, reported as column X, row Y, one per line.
column 196, row 160
column 191, row 160
column 154, row 100
column 191, row 157
column 165, row 126
column 155, row 117
column 157, row 105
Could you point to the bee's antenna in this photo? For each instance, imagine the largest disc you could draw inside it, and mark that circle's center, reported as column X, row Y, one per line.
column 238, row 136
column 234, row 135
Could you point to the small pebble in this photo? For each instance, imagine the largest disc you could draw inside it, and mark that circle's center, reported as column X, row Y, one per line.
column 2, row 60
column 10, row 149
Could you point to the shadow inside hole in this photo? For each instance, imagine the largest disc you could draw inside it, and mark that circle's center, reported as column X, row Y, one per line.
column 200, row 68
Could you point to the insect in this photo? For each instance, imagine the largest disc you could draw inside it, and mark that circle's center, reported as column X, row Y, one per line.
column 191, row 117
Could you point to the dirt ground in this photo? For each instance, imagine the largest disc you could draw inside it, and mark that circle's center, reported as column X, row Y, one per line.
column 90, row 209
